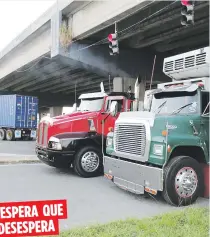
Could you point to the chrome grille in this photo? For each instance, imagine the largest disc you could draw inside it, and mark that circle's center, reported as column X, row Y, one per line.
column 42, row 134
column 130, row 139
column 45, row 131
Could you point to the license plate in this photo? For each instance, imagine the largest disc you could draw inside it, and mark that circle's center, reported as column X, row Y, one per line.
column 33, row 134
column 17, row 133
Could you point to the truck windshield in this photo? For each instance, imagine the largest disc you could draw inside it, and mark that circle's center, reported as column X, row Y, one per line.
column 91, row 104
column 175, row 102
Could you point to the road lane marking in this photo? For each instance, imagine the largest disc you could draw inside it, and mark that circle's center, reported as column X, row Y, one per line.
column 22, row 164
column 7, row 154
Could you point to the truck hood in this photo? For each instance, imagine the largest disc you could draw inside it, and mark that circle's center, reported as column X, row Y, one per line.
column 176, row 125
column 136, row 117
column 69, row 117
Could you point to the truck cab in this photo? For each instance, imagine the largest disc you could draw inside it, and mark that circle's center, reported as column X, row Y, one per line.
column 77, row 139
column 166, row 149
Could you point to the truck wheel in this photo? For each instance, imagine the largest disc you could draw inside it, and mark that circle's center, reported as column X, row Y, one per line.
column 183, row 181
column 88, row 162
column 2, row 134
column 10, row 135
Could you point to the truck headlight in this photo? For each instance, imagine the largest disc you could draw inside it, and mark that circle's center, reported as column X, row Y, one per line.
column 109, row 141
column 158, row 149
column 54, row 143
column 56, row 146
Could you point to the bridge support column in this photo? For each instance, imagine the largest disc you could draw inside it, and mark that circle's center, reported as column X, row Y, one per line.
column 122, row 84
column 55, row 111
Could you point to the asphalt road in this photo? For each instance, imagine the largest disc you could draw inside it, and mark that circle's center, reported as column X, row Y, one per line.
column 17, row 148
column 90, row 201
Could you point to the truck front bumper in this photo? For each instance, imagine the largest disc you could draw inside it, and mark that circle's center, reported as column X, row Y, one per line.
column 133, row 177
column 59, row 159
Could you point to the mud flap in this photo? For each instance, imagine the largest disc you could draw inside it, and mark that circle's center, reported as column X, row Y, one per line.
column 206, row 172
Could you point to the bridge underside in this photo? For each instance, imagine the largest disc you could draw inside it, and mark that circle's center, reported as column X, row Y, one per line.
column 59, row 79
column 159, row 28
column 54, row 81
column 47, row 74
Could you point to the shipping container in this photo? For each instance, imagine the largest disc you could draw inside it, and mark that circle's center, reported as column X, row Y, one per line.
column 18, row 116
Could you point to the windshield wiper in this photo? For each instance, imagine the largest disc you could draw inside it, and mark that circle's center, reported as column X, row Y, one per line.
column 179, row 109
column 161, row 106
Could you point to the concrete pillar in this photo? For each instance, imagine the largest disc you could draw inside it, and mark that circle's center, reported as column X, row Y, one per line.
column 43, row 112
column 55, row 111
column 121, row 84
column 56, row 22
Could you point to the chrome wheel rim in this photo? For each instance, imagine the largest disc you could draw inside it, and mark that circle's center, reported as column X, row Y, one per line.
column 90, row 161
column 1, row 134
column 186, row 182
column 9, row 134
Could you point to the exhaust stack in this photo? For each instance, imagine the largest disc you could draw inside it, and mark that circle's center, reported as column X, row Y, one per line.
column 136, row 93
column 102, row 87
column 74, row 107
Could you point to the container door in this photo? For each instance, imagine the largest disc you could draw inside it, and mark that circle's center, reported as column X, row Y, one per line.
column 27, row 109
column 7, row 110
column 20, row 112
column 32, row 108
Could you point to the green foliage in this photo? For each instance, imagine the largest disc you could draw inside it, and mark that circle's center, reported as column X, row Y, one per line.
column 65, row 36
column 189, row 222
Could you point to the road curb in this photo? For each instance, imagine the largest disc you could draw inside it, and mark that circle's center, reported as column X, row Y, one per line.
column 20, row 162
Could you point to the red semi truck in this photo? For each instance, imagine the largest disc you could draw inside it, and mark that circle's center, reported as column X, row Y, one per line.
column 76, row 139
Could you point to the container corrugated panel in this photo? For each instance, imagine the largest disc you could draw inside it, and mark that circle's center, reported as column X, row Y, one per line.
column 17, row 111
column 7, row 110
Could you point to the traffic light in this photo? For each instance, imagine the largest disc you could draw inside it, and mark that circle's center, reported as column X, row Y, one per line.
column 113, row 44
column 187, row 12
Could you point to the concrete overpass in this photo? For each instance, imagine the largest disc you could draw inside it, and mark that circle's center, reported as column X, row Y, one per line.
column 36, row 63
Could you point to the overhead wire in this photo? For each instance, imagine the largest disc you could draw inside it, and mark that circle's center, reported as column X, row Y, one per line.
column 73, row 41
column 104, row 40
column 129, row 27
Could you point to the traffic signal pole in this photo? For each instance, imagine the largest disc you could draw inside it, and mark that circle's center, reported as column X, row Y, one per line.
column 187, row 12
column 113, row 42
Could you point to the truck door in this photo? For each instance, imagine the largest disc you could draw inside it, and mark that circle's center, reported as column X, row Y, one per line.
column 110, row 121
column 205, row 118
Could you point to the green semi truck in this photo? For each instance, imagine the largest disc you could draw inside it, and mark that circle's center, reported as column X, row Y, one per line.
column 165, row 149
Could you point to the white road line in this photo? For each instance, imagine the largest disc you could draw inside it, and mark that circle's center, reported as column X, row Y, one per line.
column 6, row 154
column 9, row 165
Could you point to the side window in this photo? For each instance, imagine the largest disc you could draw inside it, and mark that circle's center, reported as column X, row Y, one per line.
column 205, row 103
column 119, row 102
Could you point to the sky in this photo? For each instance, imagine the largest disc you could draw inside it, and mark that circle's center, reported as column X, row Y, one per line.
column 16, row 15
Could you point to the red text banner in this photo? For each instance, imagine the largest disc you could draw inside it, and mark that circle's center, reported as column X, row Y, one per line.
column 32, row 218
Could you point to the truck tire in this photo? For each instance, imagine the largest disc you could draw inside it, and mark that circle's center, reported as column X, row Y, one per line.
column 88, row 162
column 183, row 181
column 10, row 135
column 2, row 134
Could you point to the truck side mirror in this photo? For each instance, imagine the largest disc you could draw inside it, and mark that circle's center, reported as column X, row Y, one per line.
column 113, row 108
column 74, row 108
column 147, row 103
